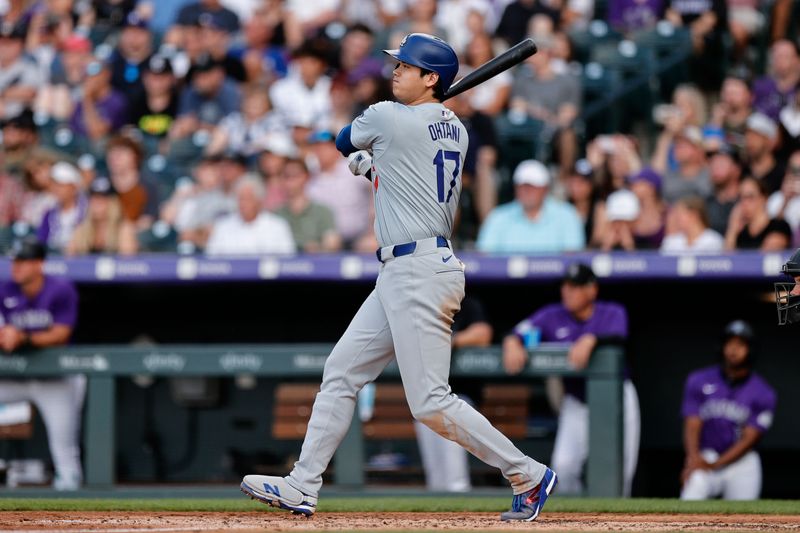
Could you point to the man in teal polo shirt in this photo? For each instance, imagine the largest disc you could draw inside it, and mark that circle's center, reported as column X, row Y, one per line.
column 535, row 222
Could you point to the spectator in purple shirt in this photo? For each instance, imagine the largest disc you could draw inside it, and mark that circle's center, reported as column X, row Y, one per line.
column 774, row 91
column 103, row 110
column 726, row 410
column 59, row 223
column 39, row 311
column 583, row 322
column 628, row 16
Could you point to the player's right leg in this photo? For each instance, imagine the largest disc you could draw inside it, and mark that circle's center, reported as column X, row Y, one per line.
column 703, row 484
column 571, row 446
column 60, row 403
column 357, row 359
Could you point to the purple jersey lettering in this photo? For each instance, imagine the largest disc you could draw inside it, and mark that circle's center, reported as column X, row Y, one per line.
column 725, row 408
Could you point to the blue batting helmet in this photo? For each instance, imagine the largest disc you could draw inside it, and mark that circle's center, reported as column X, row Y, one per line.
column 430, row 53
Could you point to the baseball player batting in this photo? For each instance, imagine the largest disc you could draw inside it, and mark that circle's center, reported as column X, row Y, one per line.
column 417, row 149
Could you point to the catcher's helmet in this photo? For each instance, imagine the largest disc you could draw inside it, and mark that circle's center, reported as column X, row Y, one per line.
column 788, row 304
column 429, row 53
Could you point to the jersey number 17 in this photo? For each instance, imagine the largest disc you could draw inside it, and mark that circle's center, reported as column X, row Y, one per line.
column 438, row 161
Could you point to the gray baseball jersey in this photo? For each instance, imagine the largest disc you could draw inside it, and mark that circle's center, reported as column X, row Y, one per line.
column 417, row 156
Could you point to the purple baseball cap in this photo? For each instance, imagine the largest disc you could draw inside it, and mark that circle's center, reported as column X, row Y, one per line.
column 649, row 175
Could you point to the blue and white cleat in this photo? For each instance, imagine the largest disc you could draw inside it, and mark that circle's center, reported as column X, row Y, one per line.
column 275, row 491
column 527, row 506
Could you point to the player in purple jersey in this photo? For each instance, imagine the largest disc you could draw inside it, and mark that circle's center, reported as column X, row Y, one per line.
column 726, row 410
column 583, row 321
column 39, row 311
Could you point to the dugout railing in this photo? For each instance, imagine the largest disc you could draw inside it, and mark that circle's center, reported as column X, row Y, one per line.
column 104, row 364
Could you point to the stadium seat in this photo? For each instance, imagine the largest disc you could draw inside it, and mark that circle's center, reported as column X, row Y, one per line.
column 598, row 115
column 671, row 46
column 518, row 139
column 598, row 35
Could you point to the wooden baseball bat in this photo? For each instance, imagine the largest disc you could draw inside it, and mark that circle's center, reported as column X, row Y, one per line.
column 513, row 56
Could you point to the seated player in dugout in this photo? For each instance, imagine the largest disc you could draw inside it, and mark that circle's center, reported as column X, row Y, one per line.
column 585, row 322
column 787, row 295
column 40, row 311
column 726, row 410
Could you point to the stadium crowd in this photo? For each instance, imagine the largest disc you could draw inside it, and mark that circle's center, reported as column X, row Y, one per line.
column 208, row 125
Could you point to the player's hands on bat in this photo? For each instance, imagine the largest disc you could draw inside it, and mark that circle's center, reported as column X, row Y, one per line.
column 359, row 163
column 515, row 357
column 581, row 351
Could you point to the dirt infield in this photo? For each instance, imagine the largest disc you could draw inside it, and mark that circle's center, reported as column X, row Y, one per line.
column 123, row 522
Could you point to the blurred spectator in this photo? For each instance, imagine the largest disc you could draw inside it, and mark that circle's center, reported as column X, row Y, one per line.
column 250, row 230
column 38, row 199
column 263, row 58
column 785, row 203
column 629, row 16
column 333, row 185
column 790, row 127
column 774, row 91
column 725, row 170
column 215, row 39
column 130, row 56
column 102, row 109
column 103, row 230
column 58, row 98
column 750, row 226
column 650, row 225
column 355, row 52
column 621, row 211
column 535, row 221
column 303, row 97
column 491, row 96
column 688, row 108
column 191, row 13
column 478, row 175
column 58, row 224
column 194, row 207
column 731, row 113
column 313, row 16
column 232, row 168
column 275, row 150
column 19, row 140
column 19, row 75
column 41, row 311
column 584, row 322
column 745, row 20
column 691, row 177
column 582, row 194
column 726, row 409
column 138, row 200
column 463, row 20
column 312, row 223
column 11, row 198
column 613, row 159
column 707, row 21
column 209, row 98
column 155, row 110
column 242, row 130
column 513, row 26
column 551, row 97
column 692, row 233
column 421, row 18
column 761, row 139
column 367, row 86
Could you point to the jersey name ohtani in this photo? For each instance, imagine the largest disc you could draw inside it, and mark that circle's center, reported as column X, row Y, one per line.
column 444, row 130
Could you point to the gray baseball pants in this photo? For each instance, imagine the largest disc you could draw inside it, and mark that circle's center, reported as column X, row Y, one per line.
column 408, row 316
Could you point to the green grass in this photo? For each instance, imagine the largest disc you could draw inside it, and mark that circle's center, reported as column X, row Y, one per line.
column 410, row 504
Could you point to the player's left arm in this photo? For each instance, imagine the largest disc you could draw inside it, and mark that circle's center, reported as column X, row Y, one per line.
column 758, row 423
column 617, row 331
column 65, row 316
